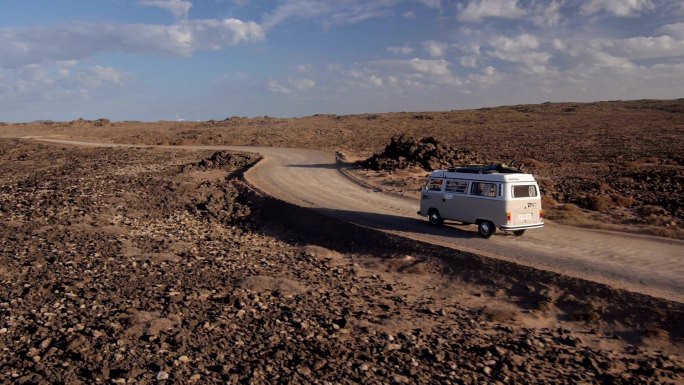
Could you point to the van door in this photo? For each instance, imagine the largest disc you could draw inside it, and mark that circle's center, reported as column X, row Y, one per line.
column 455, row 199
column 432, row 196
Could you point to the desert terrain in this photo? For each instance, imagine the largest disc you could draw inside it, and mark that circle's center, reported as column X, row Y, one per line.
column 141, row 265
column 608, row 165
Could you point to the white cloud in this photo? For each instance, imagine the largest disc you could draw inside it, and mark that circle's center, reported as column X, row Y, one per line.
column 617, row 7
column 590, row 56
column 430, row 67
column 50, row 82
column 401, row 50
column 675, row 30
column 599, row 53
column 469, row 61
column 432, row 3
column 178, row 8
column 290, row 85
column 476, row 10
column 547, row 15
column 20, row 46
column 277, row 88
column 517, row 44
column 303, row 84
column 401, row 74
column 528, row 58
column 409, row 14
column 619, row 53
column 520, row 49
column 329, row 12
column 488, row 77
column 644, row 47
column 376, row 81
column 435, row 49
column 305, row 68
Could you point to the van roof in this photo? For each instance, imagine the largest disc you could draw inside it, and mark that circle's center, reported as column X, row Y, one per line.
column 490, row 176
column 497, row 168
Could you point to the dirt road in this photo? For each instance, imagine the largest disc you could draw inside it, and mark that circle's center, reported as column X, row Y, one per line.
column 312, row 178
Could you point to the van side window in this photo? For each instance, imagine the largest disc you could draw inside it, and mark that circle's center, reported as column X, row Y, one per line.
column 457, row 186
column 524, row 191
column 435, row 184
column 483, row 189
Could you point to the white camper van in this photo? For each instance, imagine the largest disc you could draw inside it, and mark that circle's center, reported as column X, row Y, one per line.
column 493, row 196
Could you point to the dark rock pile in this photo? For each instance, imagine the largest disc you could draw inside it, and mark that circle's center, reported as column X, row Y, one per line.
column 220, row 159
column 219, row 200
column 428, row 153
column 80, row 122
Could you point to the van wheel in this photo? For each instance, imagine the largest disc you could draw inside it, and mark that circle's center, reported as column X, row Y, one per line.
column 518, row 233
column 434, row 218
column 486, row 229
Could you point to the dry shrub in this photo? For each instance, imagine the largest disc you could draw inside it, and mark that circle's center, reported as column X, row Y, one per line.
column 639, row 163
column 599, row 202
column 633, row 165
column 648, row 210
column 548, row 202
column 623, row 201
column 567, row 211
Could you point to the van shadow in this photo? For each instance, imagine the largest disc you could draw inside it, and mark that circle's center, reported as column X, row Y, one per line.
column 398, row 223
column 452, row 230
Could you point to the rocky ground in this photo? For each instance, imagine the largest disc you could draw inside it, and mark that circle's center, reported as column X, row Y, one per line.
column 148, row 266
column 615, row 165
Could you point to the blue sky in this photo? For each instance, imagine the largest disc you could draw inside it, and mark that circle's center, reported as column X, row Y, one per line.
column 211, row 59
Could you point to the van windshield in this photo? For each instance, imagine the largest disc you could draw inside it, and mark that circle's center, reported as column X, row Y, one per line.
column 524, row 191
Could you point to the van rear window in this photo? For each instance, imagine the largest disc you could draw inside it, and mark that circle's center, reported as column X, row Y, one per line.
column 524, row 191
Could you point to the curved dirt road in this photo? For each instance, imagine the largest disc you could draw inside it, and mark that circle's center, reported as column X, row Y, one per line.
column 311, row 178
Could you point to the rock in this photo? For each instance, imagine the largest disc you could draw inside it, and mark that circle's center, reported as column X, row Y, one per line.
column 390, row 347
column 304, row 370
column 45, row 343
column 183, row 359
column 162, row 375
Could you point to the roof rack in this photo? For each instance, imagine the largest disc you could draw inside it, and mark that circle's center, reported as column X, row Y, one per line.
column 500, row 168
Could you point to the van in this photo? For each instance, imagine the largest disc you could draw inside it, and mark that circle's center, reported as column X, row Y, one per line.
column 491, row 196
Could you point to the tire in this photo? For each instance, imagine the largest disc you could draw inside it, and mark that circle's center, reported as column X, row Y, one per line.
column 518, row 233
column 486, row 229
column 434, row 218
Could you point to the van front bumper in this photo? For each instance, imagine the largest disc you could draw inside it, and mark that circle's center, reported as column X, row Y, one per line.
column 522, row 227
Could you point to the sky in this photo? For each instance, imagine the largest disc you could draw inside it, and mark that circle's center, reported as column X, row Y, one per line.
column 212, row 59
